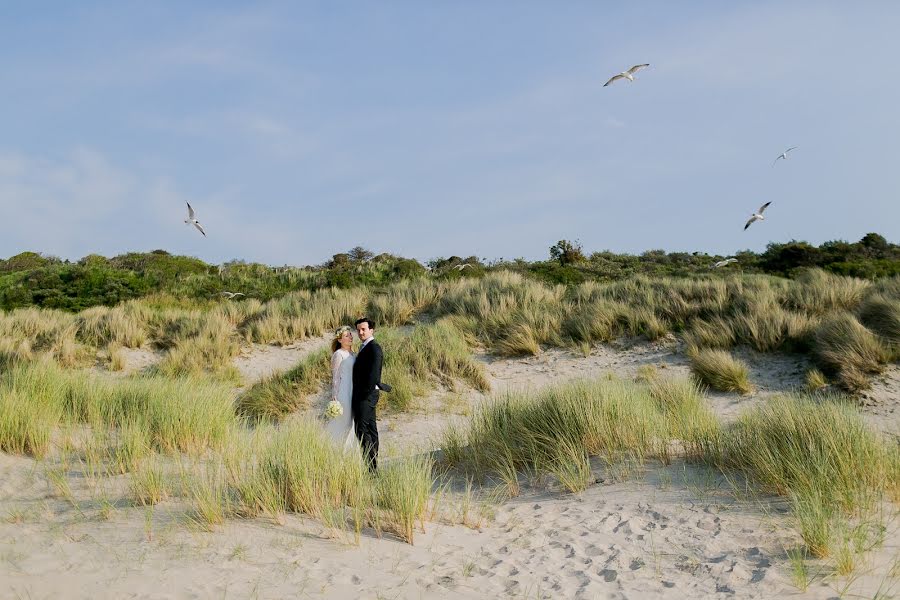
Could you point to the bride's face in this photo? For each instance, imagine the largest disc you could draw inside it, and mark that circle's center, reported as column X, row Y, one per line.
column 346, row 340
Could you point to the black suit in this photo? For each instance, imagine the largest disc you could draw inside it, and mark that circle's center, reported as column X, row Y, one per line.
column 366, row 375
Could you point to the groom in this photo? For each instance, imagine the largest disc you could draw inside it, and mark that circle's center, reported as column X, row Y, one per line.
column 366, row 376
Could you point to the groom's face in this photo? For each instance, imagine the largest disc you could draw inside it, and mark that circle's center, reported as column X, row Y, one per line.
column 364, row 332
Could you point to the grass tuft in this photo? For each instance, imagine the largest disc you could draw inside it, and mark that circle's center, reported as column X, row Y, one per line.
column 844, row 345
column 721, row 371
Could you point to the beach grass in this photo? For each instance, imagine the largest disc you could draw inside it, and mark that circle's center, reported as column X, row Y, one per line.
column 818, row 453
column 559, row 428
column 720, row 370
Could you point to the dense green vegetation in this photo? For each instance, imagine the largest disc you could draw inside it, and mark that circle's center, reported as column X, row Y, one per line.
column 31, row 279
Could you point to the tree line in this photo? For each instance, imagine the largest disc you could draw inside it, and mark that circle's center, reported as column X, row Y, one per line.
column 33, row 279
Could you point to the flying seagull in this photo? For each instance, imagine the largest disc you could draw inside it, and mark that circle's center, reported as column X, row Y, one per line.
column 783, row 155
column 462, row 266
column 231, row 295
column 192, row 219
column 629, row 74
column 757, row 216
column 725, row 262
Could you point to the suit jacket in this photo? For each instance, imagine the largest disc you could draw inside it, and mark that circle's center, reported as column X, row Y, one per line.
column 367, row 373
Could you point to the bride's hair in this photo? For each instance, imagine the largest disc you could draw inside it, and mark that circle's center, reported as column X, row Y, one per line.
column 338, row 334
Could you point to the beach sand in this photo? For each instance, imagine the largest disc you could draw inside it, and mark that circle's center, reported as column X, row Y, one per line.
column 657, row 531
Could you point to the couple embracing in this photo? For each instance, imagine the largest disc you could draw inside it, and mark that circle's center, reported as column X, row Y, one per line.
column 355, row 385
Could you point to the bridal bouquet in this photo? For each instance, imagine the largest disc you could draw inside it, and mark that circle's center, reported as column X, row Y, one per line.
column 334, row 409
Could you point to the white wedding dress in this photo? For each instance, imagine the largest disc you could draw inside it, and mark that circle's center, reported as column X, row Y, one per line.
column 341, row 428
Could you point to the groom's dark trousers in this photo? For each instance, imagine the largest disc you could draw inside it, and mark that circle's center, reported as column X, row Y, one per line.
column 366, row 375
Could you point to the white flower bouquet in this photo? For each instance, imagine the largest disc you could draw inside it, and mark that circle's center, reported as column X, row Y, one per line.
column 334, row 409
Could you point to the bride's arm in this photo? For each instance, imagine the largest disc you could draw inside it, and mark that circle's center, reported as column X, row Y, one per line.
column 336, row 360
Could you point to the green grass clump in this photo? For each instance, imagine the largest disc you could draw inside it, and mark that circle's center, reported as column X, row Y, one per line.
column 882, row 316
column 184, row 414
column 187, row 414
column 26, row 425
column 844, row 345
column 770, row 327
column 303, row 314
column 688, row 418
column 211, row 349
column 590, row 323
column 815, row 380
column 280, row 394
column 716, row 333
column 818, row 292
column 719, row 370
column 401, row 302
column 313, row 476
column 429, row 354
column 819, row 454
column 548, row 430
column 123, row 325
column 134, row 444
column 512, row 315
column 210, row 496
column 402, row 490
column 148, row 484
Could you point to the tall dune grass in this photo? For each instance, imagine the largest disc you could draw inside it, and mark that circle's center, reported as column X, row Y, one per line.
column 719, row 370
column 510, row 314
column 844, row 345
column 399, row 303
column 26, row 426
column 209, row 349
column 818, row 292
column 300, row 469
column 123, row 325
column 304, row 314
column 539, row 432
column 819, row 454
column 882, row 316
column 184, row 414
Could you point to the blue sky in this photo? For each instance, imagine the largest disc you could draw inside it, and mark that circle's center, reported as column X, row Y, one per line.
column 427, row 129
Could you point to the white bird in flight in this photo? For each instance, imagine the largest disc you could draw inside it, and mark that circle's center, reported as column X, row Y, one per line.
column 757, row 216
column 192, row 219
column 783, row 155
column 725, row 262
column 462, row 266
column 231, row 295
column 629, row 74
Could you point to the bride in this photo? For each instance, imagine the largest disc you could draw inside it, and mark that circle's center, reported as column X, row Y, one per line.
column 342, row 359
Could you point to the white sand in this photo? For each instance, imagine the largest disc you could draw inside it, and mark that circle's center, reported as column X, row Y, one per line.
column 674, row 531
column 258, row 361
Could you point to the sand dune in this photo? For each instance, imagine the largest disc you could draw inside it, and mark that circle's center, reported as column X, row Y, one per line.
column 660, row 531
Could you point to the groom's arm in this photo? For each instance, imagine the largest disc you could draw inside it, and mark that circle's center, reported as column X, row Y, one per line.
column 375, row 371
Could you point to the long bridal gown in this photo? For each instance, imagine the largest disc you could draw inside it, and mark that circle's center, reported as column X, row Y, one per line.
column 341, row 427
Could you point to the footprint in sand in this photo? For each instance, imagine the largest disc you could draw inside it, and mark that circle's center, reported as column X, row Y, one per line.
column 608, row 575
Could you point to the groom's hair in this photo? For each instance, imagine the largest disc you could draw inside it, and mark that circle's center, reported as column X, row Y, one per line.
column 365, row 320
